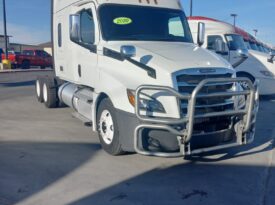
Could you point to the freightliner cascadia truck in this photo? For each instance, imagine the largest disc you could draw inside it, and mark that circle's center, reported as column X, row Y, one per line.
column 132, row 71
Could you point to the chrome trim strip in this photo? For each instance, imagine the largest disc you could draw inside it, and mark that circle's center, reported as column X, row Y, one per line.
column 182, row 84
column 231, row 102
column 197, row 71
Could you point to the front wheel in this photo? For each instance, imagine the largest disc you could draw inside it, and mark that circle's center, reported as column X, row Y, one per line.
column 108, row 129
column 244, row 85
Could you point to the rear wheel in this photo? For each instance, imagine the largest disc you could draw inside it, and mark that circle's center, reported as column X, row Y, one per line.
column 25, row 64
column 49, row 90
column 108, row 129
column 13, row 66
column 39, row 89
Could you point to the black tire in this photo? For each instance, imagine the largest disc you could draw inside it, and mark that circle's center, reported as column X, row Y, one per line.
column 43, row 67
column 39, row 89
column 13, row 66
column 50, row 95
column 114, row 147
column 26, row 64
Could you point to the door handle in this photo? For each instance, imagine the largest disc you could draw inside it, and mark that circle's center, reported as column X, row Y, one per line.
column 79, row 71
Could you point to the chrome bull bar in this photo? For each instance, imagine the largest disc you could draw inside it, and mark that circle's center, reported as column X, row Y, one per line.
column 185, row 135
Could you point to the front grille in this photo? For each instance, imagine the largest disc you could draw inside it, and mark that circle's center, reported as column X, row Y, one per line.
column 187, row 83
column 196, row 79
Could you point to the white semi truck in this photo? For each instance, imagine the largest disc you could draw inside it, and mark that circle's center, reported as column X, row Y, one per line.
column 132, row 71
column 258, row 65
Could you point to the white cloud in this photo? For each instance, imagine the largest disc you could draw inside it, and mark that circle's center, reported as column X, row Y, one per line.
column 26, row 35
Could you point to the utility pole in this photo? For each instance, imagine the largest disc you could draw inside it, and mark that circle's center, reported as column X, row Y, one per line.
column 191, row 7
column 5, row 29
column 255, row 31
column 234, row 16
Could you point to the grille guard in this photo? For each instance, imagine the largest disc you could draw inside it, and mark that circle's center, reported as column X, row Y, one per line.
column 243, row 128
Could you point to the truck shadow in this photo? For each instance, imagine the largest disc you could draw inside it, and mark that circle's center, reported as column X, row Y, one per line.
column 191, row 184
column 29, row 167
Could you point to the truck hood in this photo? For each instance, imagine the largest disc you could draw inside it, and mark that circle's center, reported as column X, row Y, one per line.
column 173, row 56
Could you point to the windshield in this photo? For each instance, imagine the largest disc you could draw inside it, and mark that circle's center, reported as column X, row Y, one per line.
column 247, row 45
column 266, row 49
column 137, row 23
column 235, row 42
column 254, row 46
column 259, row 47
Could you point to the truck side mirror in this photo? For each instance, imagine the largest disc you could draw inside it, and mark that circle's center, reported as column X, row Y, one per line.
column 75, row 27
column 243, row 55
column 128, row 51
column 201, row 33
column 220, row 47
column 271, row 57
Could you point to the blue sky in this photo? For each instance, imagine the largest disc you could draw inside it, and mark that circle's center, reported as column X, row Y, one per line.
column 252, row 14
column 29, row 20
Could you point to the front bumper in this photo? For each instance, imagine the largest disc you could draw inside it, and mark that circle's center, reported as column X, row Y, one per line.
column 243, row 125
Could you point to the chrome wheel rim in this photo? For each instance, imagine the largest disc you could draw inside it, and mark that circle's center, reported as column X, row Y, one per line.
column 106, row 127
column 45, row 93
column 244, row 85
column 38, row 90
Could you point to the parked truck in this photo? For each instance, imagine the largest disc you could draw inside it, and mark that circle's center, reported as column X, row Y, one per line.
column 245, row 54
column 29, row 58
column 132, row 71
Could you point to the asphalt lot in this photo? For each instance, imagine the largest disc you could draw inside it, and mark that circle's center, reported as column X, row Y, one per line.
column 47, row 157
column 21, row 75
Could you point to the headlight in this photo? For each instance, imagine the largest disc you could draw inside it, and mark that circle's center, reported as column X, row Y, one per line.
column 240, row 100
column 147, row 103
column 267, row 73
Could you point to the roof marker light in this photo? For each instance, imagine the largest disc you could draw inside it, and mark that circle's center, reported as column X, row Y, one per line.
column 148, row 1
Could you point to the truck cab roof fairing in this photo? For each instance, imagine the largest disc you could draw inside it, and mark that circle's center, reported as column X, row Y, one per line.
column 173, row 4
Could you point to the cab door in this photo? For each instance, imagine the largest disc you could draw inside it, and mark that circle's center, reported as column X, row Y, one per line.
column 84, row 52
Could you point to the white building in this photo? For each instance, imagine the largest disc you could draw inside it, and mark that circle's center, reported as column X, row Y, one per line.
column 2, row 41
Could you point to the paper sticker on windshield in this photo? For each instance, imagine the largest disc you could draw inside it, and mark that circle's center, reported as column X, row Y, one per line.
column 229, row 38
column 122, row 21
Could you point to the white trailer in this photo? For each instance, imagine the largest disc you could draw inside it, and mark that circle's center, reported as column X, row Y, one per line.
column 258, row 66
column 132, row 71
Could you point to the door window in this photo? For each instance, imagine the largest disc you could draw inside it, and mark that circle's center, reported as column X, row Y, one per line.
column 87, row 27
column 211, row 40
column 39, row 53
column 28, row 53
